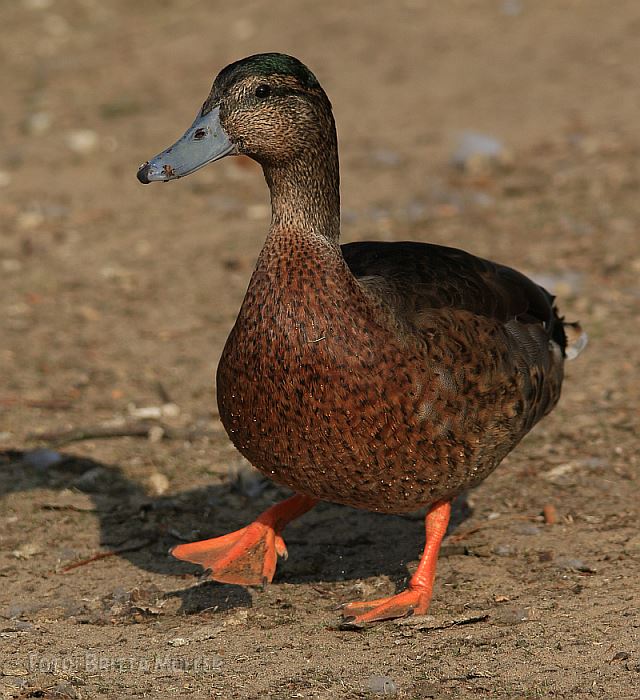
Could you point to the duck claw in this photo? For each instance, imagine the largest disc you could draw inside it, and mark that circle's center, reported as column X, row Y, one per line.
column 412, row 601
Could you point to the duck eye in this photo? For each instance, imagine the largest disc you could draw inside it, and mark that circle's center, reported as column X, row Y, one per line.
column 263, row 90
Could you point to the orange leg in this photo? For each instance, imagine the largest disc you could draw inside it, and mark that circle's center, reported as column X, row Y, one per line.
column 416, row 598
column 247, row 556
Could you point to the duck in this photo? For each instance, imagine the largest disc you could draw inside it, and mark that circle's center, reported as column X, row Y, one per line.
column 386, row 376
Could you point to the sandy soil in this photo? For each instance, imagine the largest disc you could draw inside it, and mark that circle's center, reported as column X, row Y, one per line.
column 118, row 298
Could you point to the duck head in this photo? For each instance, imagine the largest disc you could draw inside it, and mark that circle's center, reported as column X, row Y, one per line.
column 269, row 107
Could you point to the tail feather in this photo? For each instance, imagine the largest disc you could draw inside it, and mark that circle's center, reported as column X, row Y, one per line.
column 577, row 339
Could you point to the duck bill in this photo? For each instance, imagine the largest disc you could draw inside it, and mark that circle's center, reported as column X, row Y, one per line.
column 203, row 142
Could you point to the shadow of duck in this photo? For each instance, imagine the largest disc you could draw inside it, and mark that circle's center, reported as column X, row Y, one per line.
column 330, row 544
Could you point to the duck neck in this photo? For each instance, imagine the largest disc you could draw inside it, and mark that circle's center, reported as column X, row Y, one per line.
column 305, row 193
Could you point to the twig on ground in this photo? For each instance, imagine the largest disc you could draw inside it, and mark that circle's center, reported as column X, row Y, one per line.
column 429, row 623
column 53, row 404
column 482, row 526
column 109, row 553
column 140, row 429
column 472, row 675
column 550, row 514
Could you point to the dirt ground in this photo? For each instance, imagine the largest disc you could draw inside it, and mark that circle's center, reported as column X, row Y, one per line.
column 116, row 300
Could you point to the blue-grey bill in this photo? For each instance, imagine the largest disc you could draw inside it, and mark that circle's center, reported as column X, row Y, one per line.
column 203, row 142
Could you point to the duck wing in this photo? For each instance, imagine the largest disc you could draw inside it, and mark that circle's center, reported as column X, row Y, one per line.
column 416, row 278
column 478, row 319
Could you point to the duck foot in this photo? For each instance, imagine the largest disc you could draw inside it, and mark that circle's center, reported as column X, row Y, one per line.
column 415, row 600
column 247, row 556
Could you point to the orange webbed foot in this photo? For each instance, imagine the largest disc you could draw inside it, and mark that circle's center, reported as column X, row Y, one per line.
column 412, row 601
column 416, row 598
column 246, row 557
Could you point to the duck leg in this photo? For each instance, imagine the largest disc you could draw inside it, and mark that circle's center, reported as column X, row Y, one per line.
column 416, row 598
column 247, row 556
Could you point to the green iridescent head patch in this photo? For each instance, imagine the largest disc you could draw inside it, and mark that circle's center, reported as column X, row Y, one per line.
column 267, row 64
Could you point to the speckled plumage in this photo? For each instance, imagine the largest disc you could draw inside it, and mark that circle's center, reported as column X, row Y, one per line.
column 371, row 408
column 385, row 376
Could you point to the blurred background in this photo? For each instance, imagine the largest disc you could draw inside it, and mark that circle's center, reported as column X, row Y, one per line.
column 505, row 127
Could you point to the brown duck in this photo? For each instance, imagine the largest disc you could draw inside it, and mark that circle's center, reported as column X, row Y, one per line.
column 385, row 376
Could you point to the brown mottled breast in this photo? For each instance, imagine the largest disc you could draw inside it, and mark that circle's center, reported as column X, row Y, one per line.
column 389, row 378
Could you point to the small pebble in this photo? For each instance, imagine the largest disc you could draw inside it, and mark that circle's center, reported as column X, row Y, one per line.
column 513, row 615
column 38, row 123
column 88, row 313
column 42, row 459
column 595, row 463
column 82, row 141
column 156, row 433
column 550, row 514
column 559, row 473
column 170, row 410
column 474, row 151
column 245, row 479
column 158, row 483
column 29, row 220
column 178, row 642
column 503, row 550
column 569, row 563
column 574, row 564
column 90, row 480
column 28, row 550
column 527, row 529
column 145, row 411
column 382, row 685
